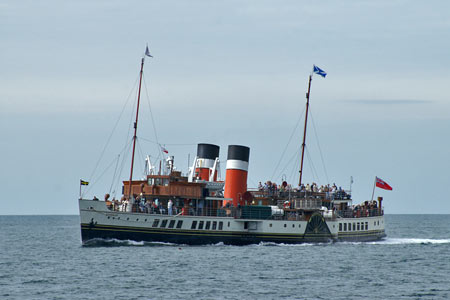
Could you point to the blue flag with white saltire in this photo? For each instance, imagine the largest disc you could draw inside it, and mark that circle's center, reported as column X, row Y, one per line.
column 319, row 71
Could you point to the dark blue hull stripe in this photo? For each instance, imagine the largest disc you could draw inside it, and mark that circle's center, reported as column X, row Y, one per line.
column 202, row 237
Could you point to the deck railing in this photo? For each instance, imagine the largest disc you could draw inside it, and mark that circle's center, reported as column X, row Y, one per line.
column 295, row 194
column 350, row 213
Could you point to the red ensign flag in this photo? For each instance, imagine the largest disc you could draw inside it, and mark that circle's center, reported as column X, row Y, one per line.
column 382, row 185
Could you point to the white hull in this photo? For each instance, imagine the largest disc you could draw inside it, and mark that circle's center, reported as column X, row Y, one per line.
column 97, row 221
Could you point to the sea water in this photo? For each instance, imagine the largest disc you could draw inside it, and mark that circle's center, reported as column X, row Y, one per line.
column 41, row 257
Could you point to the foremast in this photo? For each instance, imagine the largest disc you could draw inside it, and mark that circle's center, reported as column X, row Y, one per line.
column 137, row 117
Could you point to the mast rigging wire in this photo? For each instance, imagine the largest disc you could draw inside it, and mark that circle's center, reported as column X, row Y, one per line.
column 112, row 132
column 315, row 176
column 101, row 175
column 318, row 145
column 151, row 115
column 114, row 175
column 289, row 141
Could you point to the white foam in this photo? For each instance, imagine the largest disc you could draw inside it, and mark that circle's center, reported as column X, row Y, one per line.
column 405, row 241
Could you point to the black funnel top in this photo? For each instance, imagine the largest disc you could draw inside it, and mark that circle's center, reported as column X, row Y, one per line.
column 238, row 152
column 208, row 151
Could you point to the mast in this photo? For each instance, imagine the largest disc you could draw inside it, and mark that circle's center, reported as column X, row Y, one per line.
column 304, row 131
column 135, row 128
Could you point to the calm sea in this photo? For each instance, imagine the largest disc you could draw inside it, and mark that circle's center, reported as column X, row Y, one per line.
column 41, row 257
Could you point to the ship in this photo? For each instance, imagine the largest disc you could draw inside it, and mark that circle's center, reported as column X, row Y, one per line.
column 199, row 208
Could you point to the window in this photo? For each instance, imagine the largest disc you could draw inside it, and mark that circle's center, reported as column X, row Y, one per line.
column 270, row 225
column 163, row 223
column 349, row 226
column 155, row 223
column 345, row 226
column 228, row 224
column 293, row 225
column 220, row 225
column 367, row 225
column 354, row 226
column 340, row 226
column 200, row 225
column 358, row 226
column 214, row 227
column 285, row 225
column 245, row 225
column 208, row 225
column 180, row 223
column 172, row 223
column 194, row 224
column 374, row 223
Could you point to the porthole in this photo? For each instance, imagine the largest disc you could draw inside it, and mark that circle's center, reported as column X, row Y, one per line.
column 293, row 225
column 137, row 219
column 128, row 219
column 270, row 225
column 285, row 225
column 108, row 217
column 300, row 225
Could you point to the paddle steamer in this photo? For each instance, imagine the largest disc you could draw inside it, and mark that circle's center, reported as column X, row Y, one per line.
column 200, row 208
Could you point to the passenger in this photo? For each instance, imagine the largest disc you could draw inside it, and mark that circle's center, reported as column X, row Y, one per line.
column 148, row 206
column 260, row 187
column 308, row 187
column 169, row 207
column 174, row 209
column 200, row 207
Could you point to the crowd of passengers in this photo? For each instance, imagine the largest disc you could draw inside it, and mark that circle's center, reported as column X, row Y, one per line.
column 366, row 209
column 331, row 192
column 170, row 207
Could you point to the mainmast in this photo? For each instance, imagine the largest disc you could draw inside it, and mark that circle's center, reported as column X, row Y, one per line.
column 304, row 131
column 322, row 73
column 135, row 128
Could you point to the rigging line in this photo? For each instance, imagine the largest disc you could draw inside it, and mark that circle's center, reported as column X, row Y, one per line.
column 114, row 175
column 100, row 176
column 290, row 160
column 142, row 157
column 151, row 113
column 289, row 141
column 318, row 145
column 112, row 132
column 294, row 167
column 89, row 189
column 125, row 150
column 312, row 167
column 180, row 144
column 150, row 141
column 154, row 142
column 252, row 181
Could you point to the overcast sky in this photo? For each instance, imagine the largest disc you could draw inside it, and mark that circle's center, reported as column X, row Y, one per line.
column 226, row 72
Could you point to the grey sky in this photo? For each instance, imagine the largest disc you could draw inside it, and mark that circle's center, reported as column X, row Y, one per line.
column 231, row 72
